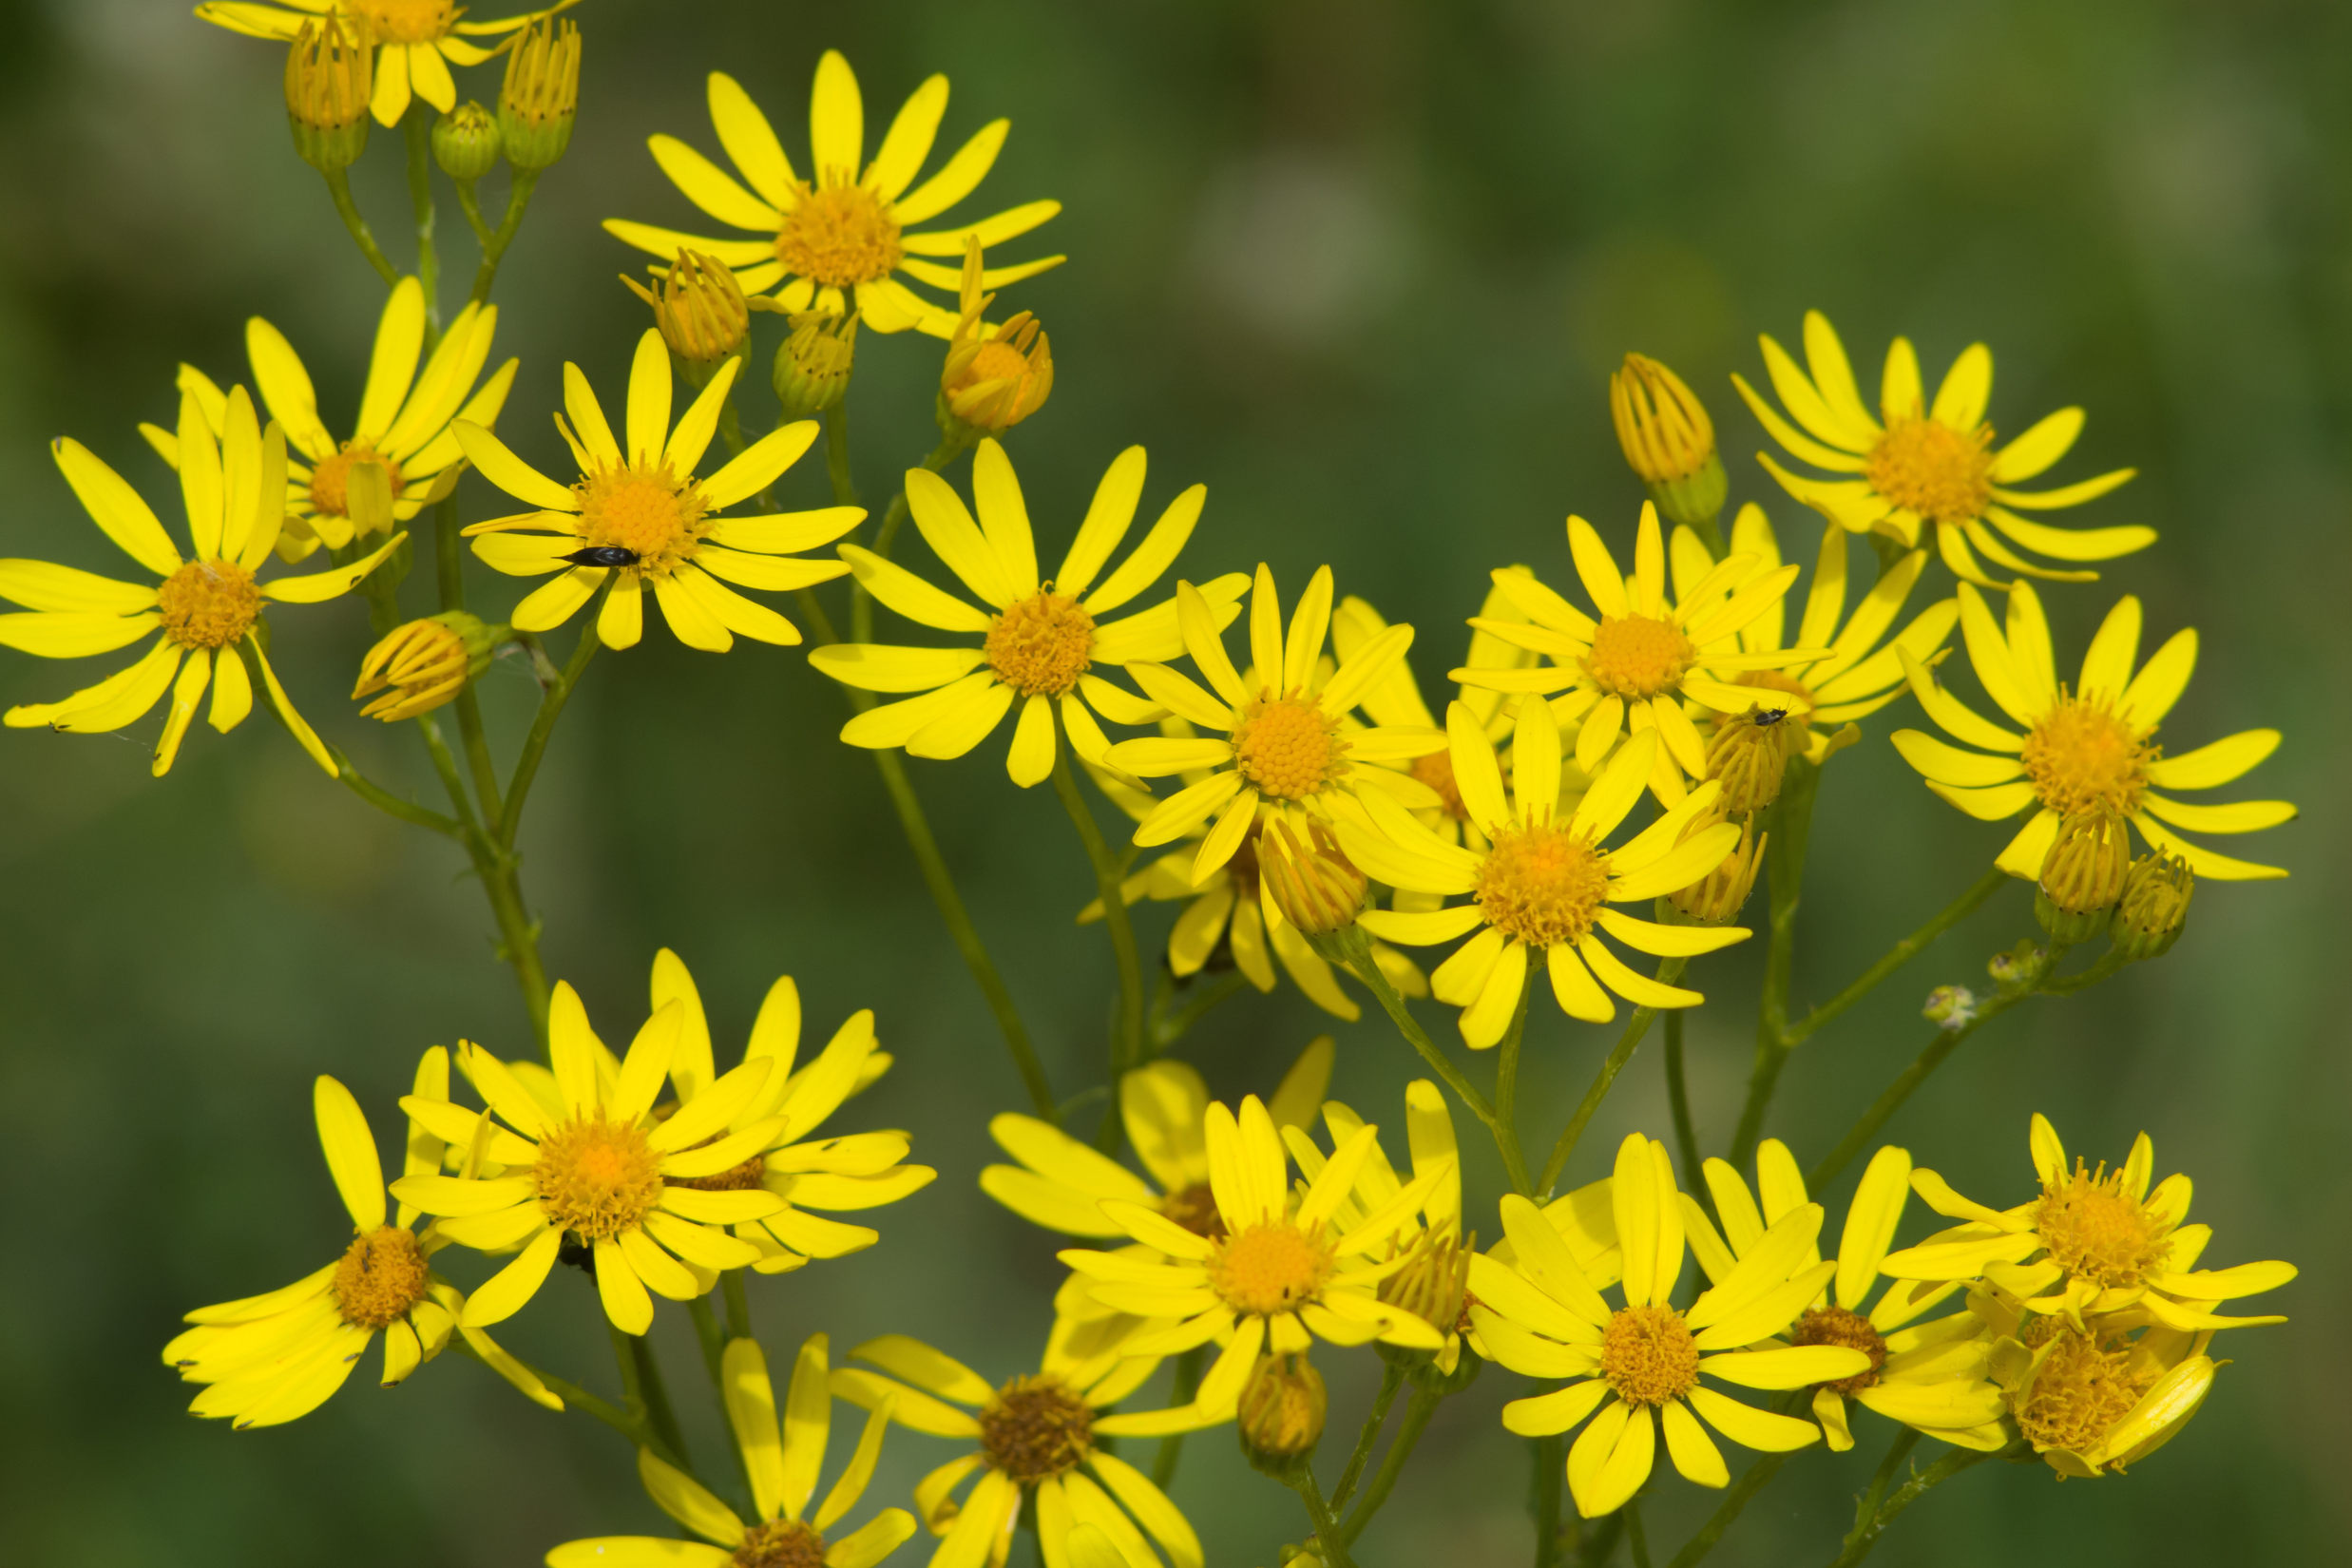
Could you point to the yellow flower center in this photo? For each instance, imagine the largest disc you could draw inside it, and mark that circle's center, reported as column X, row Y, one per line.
column 1542, row 884
column 1848, row 1330
column 838, row 235
column 1646, row 1355
column 209, row 603
column 1933, row 470
column 1194, row 1208
column 406, row 21
column 644, row 510
column 1437, row 770
column 596, row 1177
column 1040, row 645
column 1639, row 656
column 1288, row 748
column 382, row 1276
column 1271, row 1268
column 2097, row 1230
column 2083, row 1387
column 330, row 480
column 780, row 1543
column 2083, row 757
column 995, row 361
column 1035, row 1428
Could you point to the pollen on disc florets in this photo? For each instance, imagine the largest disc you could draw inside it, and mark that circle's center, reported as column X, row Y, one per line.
column 1542, row 884
column 837, row 236
column 645, row 510
column 1648, row 1356
column 1929, row 468
column 406, row 21
column 1194, row 1208
column 1849, row 1330
column 596, row 1177
column 1271, row 1268
column 780, row 1543
column 1035, row 1428
column 2083, row 757
column 2097, row 1231
column 1639, row 656
column 330, row 480
column 1042, row 644
column 209, row 603
column 1288, row 747
column 2082, row 1386
column 382, row 1274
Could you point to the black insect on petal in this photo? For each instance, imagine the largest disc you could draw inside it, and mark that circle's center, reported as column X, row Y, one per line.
column 603, row 555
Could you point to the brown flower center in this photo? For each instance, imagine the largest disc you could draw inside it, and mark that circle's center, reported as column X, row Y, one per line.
column 2083, row 757
column 2083, row 1386
column 1288, row 748
column 1648, row 1356
column 1542, row 884
column 2097, row 1230
column 382, row 1276
column 1639, row 656
column 209, row 603
column 406, row 21
column 1194, row 1208
column 330, row 480
column 1850, row 1330
column 838, row 235
column 596, row 1177
column 644, row 510
column 1437, row 770
column 1933, row 470
column 1271, row 1268
column 1035, row 1428
column 780, row 1543
column 1040, row 645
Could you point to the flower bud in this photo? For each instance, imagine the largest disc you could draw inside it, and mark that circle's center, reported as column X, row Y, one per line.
column 2153, row 908
column 1950, row 1007
column 1315, row 885
column 330, row 77
column 541, row 95
column 992, row 380
column 466, row 142
column 1669, row 441
column 813, row 365
column 1281, row 1412
column 2082, row 876
column 1749, row 752
column 1716, row 898
column 2021, row 966
column 425, row 663
column 700, row 312
column 1431, row 1284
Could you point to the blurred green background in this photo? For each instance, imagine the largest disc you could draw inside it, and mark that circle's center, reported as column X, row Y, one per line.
column 1363, row 268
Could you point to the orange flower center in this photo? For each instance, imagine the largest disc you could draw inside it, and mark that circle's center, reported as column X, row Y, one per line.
column 1288, row 748
column 2083, row 757
column 1271, row 1268
column 596, row 1177
column 330, row 480
column 838, row 236
column 406, row 21
column 2082, row 1386
column 1639, row 656
column 382, row 1276
column 209, row 603
column 1035, row 1428
column 1648, row 1356
column 1542, row 884
column 1437, row 770
column 1040, row 645
column 644, row 510
column 1933, row 470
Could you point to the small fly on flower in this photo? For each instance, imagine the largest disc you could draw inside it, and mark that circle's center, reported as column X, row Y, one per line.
column 603, row 555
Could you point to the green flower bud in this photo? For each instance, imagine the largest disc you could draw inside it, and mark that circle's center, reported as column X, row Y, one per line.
column 466, row 142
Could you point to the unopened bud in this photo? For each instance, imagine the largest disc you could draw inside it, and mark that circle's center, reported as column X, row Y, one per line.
column 2082, row 876
column 1950, row 1007
column 466, row 142
column 993, row 379
column 541, row 95
column 1669, row 441
column 1749, row 751
column 1315, row 885
column 1431, row 1284
column 700, row 312
column 1716, row 898
column 330, row 77
column 425, row 664
column 1281, row 1412
column 2153, row 908
column 2019, row 966
column 813, row 365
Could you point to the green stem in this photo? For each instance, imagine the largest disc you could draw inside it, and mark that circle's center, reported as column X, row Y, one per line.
column 1391, row 1382
column 738, row 1306
column 1792, row 828
column 1635, row 1533
column 573, row 1396
column 1167, row 1028
column 1182, row 1387
column 550, row 709
column 640, row 1373
column 449, row 567
column 838, row 454
column 1678, row 1100
column 1601, row 1544
column 1906, row 1439
column 1417, row 1413
column 1923, row 1066
column 518, row 198
column 1901, row 953
column 1547, row 1488
column 471, row 207
column 2109, row 962
column 339, row 186
column 1750, row 1482
column 1506, row 1072
column 712, row 1340
column 417, row 126
column 1670, row 970
column 1858, row 1546
column 861, row 602
column 391, row 805
column 1127, row 1041
column 1330, row 1535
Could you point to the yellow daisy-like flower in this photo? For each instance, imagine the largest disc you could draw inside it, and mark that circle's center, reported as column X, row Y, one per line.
column 1540, row 1315
column 1281, row 741
column 1644, row 658
column 1039, row 641
column 1544, row 884
column 1283, row 1275
column 784, row 1462
column 1037, row 1435
column 1930, row 1375
column 419, row 41
column 1929, row 464
column 834, row 239
column 639, row 516
column 2094, row 1242
column 273, row 1358
column 2089, row 749
column 2096, row 1396
column 207, row 607
column 605, row 1172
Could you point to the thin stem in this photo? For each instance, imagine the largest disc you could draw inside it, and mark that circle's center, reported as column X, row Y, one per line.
column 448, row 570
column 1506, row 1071
column 1751, row 1481
column 1923, row 1066
column 838, row 454
column 1678, row 1100
column 1790, row 828
column 1858, row 1546
column 1391, row 1382
column 738, row 1306
column 518, row 198
column 862, row 603
column 639, row 1363
column 1330, row 1535
column 1167, row 1028
column 418, row 128
column 1417, row 1413
column 1127, row 1041
column 1601, row 1544
column 1182, row 1387
column 1636, row 1535
column 446, row 765
column 712, row 1340
column 1901, row 953
column 2109, row 962
column 391, row 805
column 550, row 709
column 1547, row 1489
column 339, row 186
column 1670, row 970
column 471, row 207
column 1906, row 1439
column 573, row 1396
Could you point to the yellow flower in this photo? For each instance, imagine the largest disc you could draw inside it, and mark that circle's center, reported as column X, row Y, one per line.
column 2096, row 1396
column 1283, row 1275
column 419, row 41
column 273, row 1358
column 207, row 607
column 1039, row 641
column 1645, row 657
column 1930, row 1375
column 1283, row 743
column 783, row 1461
column 994, row 377
column 1036, row 1434
column 1540, row 1314
column 2092, row 1243
column 641, row 518
column 1544, row 884
column 835, row 239
column 1929, row 463
column 605, row 1172
column 424, row 664
column 2091, row 748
